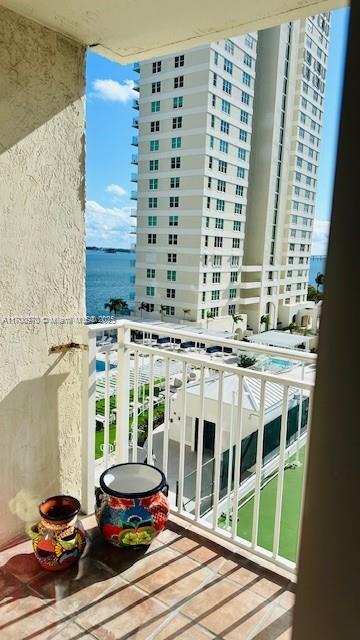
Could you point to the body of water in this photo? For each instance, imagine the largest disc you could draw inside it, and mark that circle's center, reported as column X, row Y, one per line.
column 108, row 275
column 111, row 275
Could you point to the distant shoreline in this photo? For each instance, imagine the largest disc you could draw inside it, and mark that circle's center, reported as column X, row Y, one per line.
column 109, row 249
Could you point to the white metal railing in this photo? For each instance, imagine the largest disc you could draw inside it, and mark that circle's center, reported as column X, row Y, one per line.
column 199, row 396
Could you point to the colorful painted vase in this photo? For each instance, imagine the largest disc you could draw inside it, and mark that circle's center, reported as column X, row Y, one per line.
column 131, row 504
column 59, row 538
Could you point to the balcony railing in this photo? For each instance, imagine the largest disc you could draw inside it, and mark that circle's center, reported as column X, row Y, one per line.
column 135, row 123
column 134, row 159
column 135, row 141
column 135, row 104
column 134, row 177
column 228, row 438
column 133, row 213
column 136, row 67
column 133, row 195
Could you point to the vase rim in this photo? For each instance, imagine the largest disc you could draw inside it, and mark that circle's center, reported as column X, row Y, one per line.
column 59, row 500
column 159, row 486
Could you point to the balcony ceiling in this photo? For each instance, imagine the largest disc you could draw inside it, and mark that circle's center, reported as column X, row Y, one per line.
column 128, row 31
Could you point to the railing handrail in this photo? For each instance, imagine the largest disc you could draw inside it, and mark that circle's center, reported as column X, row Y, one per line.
column 307, row 358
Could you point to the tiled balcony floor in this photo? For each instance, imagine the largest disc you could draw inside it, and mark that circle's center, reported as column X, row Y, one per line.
column 184, row 587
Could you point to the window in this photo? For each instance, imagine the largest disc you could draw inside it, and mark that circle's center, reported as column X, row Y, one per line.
column 228, row 66
column 174, row 183
column 231, row 309
column 229, row 46
column 173, row 221
column 173, row 239
column 247, row 60
column 169, row 311
column 211, row 142
column 242, row 153
column 224, row 126
column 245, row 98
column 216, row 277
column 151, row 238
column 177, row 122
column 154, row 145
column 153, row 183
column 171, row 275
column 177, row 102
column 207, row 222
column 224, row 146
column 227, row 87
column 225, row 106
column 287, row 300
column 213, row 100
column 155, row 126
column 150, row 291
column 232, row 293
column 155, row 106
column 152, row 221
column 240, row 172
column 212, row 121
column 223, row 166
column 233, row 276
column 175, row 162
column 176, row 143
column 178, row 82
column 214, row 79
column 204, row 278
column 205, row 259
column 208, row 200
column 217, row 261
column 150, row 273
column 249, row 41
column 170, row 293
column 236, row 243
column 206, row 241
column 237, row 225
column 155, row 87
column 172, row 257
column 215, row 295
column 156, row 66
column 239, row 190
column 243, row 135
column 153, row 203
column 234, row 261
column 292, row 246
column 244, row 117
column 153, row 165
column 174, row 201
column 216, row 58
column 210, row 162
column 221, row 185
column 246, row 79
column 218, row 242
column 203, row 296
column 219, row 223
column 179, row 61
column 237, row 208
column 209, row 182
column 220, row 205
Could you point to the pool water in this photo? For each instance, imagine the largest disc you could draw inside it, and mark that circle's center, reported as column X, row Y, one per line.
column 274, row 365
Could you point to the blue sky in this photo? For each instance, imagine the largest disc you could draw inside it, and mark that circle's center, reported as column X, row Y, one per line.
column 109, row 132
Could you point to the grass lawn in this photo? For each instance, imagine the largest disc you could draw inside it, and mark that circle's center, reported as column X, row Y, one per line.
column 289, row 530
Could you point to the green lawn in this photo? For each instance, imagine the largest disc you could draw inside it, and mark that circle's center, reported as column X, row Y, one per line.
column 289, row 530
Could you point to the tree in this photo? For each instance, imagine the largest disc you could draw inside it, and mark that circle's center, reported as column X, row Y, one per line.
column 312, row 294
column 292, row 326
column 162, row 311
column 319, row 281
column 235, row 320
column 116, row 305
column 265, row 319
column 246, row 361
column 209, row 315
column 142, row 307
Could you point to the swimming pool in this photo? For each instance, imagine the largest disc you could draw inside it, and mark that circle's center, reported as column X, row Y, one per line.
column 274, row 365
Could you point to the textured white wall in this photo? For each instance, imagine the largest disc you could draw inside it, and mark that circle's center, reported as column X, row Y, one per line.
column 41, row 265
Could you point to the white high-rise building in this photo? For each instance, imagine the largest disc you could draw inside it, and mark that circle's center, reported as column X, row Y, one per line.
column 224, row 215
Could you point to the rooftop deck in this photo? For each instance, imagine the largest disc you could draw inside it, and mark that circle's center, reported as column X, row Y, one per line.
column 184, row 587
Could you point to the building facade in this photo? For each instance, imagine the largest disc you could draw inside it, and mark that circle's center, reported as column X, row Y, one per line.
column 228, row 145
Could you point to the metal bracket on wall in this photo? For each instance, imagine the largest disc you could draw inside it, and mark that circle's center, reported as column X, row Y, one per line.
column 62, row 348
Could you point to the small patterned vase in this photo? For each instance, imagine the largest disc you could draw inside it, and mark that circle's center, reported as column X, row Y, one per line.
column 59, row 538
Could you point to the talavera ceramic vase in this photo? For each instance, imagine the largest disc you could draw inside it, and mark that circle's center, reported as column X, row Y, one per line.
column 59, row 538
column 131, row 504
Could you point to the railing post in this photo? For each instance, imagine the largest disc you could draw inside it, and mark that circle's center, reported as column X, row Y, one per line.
column 88, row 422
column 122, row 396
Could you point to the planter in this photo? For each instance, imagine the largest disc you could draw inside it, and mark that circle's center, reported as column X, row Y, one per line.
column 131, row 504
column 58, row 540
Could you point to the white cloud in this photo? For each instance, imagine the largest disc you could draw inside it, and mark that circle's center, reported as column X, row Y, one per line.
column 320, row 237
column 108, row 227
column 117, row 190
column 114, row 91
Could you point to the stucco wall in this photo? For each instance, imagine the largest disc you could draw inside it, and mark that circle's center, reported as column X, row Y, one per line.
column 41, row 265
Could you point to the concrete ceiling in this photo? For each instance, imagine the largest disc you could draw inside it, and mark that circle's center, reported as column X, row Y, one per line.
column 132, row 30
